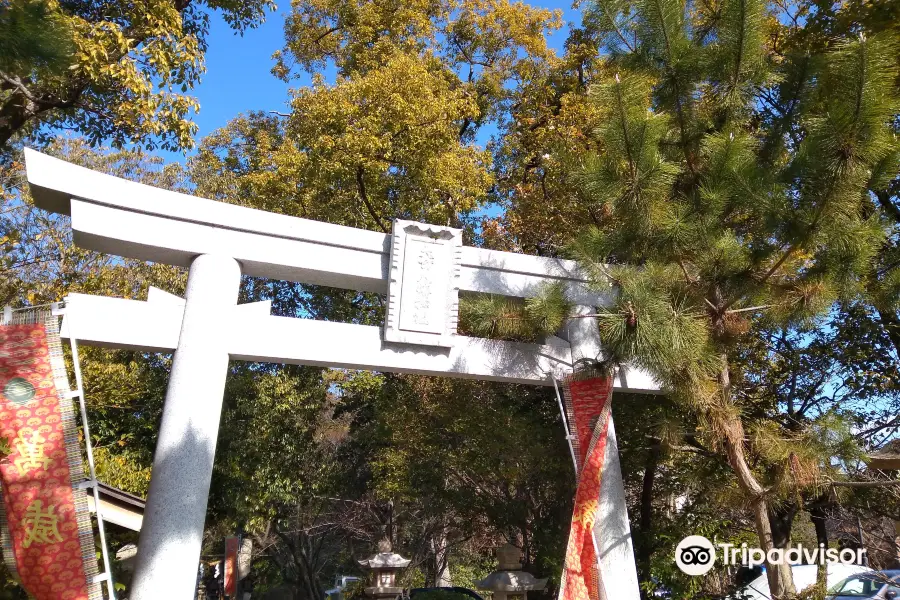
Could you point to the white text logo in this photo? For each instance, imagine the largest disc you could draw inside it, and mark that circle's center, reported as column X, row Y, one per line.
column 696, row 555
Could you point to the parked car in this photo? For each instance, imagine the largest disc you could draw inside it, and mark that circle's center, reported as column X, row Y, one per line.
column 804, row 577
column 875, row 585
column 341, row 582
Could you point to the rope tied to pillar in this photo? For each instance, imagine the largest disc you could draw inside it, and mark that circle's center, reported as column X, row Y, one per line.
column 587, row 396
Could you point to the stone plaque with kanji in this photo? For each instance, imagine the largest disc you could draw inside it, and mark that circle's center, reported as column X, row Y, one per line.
column 423, row 294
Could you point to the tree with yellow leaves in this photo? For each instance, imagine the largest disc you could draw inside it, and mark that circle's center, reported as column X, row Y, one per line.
column 114, row 72
column 393, row 134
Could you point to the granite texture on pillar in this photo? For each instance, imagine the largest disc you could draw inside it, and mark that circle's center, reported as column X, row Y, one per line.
column 169, row 546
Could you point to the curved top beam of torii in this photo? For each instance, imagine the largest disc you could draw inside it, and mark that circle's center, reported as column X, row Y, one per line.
column 129, row 219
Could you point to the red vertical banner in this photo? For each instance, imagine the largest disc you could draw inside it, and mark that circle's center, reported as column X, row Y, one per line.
column 232, row 546
column 588, row 404
column 47, row 535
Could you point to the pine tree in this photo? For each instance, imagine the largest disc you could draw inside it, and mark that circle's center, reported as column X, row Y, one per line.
column 717, row 220
column 744, row 180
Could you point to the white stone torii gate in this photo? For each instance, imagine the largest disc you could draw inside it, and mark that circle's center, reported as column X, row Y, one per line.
column 420, row 268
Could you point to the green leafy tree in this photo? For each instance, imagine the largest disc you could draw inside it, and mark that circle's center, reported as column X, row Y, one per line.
column 842, row 365
column 114, row 72
column 745, row 181
column 393, row 135
column 474, row 462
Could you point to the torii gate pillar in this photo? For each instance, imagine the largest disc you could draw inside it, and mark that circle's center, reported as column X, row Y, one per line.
column 172, row 532
column 612, row 532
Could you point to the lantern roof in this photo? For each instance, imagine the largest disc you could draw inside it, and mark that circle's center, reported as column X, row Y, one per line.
column 385, row 560
column 888, row 458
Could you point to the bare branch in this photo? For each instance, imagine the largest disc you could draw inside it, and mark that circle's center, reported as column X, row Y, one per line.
column 749, row 309
column 361, row 185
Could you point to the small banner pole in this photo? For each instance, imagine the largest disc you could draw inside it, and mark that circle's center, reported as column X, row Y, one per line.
column 569, row 434
column 89, row 447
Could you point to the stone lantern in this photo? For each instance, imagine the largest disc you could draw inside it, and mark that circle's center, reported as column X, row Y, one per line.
column 384, row 567
column 509, row 581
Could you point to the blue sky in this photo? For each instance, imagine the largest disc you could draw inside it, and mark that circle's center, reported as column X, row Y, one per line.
column 238, row 77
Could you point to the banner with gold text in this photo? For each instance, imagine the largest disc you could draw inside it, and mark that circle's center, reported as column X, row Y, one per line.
column 47, row 536
column 588, row 399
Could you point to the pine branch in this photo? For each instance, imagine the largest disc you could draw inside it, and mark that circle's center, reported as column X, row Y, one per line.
column 750, row 309
column 862, row 78
column 787, row 108
column 623, row 122
column 660, row 12
column 688, row 279
column 610, row 16
column 672, row 73
column 736, row 72
column 741, row 35
column 851, row 62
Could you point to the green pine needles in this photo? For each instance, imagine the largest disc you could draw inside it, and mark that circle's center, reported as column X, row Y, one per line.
column 711, row 227
column 32, row 36
column 502, row 317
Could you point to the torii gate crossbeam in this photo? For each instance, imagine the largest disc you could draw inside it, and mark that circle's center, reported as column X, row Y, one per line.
column 420, row 268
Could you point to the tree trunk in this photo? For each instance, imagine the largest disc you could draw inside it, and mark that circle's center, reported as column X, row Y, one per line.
column 817, row 516
column 781, row 580
column 441, row 552
column 645, row 540
column 14, row 113
column 307, row 583
column 781, row 519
